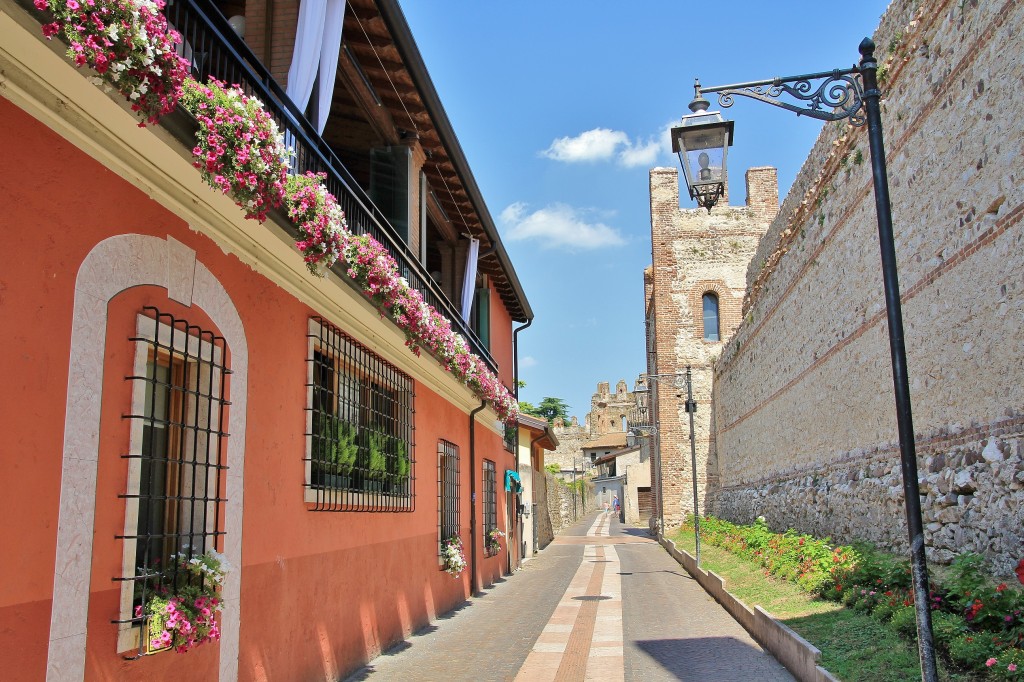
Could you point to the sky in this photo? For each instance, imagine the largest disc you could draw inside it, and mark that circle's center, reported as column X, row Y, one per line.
column 562, row 107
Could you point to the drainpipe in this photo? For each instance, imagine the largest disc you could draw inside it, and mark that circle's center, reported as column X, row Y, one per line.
column 473, row 579
column 515, row 392
column 515, row 360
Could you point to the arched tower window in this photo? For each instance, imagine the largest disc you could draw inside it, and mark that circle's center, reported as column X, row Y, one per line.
column 711, row 317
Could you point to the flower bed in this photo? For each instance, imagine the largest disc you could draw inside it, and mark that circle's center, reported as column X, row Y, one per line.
column 977, row 624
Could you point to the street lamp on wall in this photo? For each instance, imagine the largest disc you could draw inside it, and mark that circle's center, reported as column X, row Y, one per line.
column 851, row 94
column 702, row 143
column 678, row 379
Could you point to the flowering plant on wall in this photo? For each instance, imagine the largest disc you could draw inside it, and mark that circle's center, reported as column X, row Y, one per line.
column 321, row 222
column 493, row 543
column 453, row 557
column 184, row 617
column 239, row 149
column 373, row 268
column 128, row 43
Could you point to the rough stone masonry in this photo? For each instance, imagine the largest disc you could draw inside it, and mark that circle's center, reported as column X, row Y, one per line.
column 804, row 421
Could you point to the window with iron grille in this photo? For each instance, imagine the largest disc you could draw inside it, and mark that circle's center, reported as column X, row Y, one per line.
column 360, row 427
column 447, row 492
column 176, row 462
column 511, row 437
column 490, row 502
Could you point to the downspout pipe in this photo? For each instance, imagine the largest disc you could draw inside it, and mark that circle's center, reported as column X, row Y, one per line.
column 474, row 580
column 515, row 360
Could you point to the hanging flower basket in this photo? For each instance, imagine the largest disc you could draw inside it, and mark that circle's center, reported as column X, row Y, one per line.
column 185, row 617
column 453, row 556
column 493, row 543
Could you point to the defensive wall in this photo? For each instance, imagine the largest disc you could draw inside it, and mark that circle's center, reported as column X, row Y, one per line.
column 804, row 415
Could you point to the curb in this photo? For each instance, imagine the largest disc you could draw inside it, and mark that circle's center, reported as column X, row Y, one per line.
column 799, row 656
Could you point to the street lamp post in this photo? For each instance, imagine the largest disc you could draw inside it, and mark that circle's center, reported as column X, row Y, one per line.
column 690, row 406
column 842, row 94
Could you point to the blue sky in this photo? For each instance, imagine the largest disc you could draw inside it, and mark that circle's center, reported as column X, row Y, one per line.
column 562, row 108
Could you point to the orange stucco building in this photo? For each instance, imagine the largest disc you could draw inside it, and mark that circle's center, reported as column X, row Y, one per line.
column 176, row 380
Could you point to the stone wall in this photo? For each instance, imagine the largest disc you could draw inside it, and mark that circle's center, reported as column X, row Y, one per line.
column 545, row 532
column 561, row 511
column 803, row 398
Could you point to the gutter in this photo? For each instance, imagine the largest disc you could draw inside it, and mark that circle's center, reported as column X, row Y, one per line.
column 393, row 16
column 473, row 577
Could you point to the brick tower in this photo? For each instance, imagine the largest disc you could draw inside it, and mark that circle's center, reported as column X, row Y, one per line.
column 694, row 292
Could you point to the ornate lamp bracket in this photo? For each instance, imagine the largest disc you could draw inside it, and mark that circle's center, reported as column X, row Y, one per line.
column 827, row 96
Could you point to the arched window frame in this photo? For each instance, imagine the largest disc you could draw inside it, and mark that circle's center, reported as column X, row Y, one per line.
column 715, row 335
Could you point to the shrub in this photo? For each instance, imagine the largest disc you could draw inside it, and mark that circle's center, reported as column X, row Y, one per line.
column 946, row 627
column 904, row 619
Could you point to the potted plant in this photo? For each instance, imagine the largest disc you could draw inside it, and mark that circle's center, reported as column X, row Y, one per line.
column 378, row 461
column 401, row 465
column 182, row 615
column 339, row 448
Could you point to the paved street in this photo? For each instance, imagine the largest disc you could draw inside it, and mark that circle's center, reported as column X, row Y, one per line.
column 602, row 602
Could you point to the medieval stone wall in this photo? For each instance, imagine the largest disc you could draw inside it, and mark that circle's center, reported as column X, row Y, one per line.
column 803, row 398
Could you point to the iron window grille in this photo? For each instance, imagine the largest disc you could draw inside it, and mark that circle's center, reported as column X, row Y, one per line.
column 490, row 503
column 176, row 461
column 447, row 493
column 359, row 427
column 511, row 438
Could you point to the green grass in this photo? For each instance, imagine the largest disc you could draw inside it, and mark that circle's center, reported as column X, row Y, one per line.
column 854, row 646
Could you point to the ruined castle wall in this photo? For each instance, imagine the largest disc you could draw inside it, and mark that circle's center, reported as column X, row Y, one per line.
column 803, row 398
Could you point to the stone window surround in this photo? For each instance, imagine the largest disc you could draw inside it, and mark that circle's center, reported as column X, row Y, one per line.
column 114, row 265
column 128, row 635
column 353, row 498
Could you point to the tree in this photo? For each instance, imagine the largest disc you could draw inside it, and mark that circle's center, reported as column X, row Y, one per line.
column 528, row 408
column 552, row 408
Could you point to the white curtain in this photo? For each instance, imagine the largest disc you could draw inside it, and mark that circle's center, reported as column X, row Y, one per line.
column 469, row 282
column 317, row 42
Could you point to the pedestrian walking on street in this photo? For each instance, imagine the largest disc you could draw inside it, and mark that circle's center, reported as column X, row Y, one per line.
column 615, row 503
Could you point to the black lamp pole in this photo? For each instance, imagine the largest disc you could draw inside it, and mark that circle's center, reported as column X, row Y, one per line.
column 691, row 407
column 842, row 96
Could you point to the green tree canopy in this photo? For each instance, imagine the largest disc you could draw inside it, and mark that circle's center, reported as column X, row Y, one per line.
column 552, row 408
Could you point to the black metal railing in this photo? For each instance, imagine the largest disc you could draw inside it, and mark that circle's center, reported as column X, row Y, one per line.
column 447, row 492
column 362, row 418
column 178, row 457
column 215, row 50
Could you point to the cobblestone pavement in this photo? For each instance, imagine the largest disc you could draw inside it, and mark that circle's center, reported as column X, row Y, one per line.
column 601, row 602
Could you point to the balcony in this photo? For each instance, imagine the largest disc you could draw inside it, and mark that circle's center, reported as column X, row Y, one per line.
column 214, row 50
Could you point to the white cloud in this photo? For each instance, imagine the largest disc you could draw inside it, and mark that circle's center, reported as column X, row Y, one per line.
column 603, row 144
column 598, row 144
column 640, row 154
column 558, row 225
column 527, row 361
